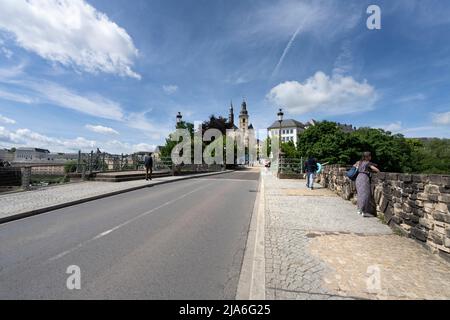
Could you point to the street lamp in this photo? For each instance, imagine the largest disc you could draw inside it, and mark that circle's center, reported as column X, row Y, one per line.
column 179, row 118
column 280, row 120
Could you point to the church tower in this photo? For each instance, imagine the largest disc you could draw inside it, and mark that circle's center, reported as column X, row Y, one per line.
column 243, row 117
column 231, row 116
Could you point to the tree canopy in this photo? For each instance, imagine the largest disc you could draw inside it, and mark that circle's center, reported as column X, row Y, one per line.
column 327, row 142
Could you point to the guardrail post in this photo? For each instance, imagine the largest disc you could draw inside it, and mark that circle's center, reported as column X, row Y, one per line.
column 79, row 161
column 26, row 177
column 91, row 158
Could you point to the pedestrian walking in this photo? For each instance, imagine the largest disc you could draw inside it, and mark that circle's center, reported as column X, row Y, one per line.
column 311, row 170
column 365, row 168
column 148, row 163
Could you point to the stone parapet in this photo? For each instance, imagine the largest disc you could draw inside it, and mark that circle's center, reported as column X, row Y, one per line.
column 416, row 205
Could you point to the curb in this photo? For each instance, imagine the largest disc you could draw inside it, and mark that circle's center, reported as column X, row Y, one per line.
column 252, row 280
column 27, row 214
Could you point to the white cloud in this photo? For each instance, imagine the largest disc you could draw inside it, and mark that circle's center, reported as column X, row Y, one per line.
column 70, row 32
column 154, row 130
column 322, row 94
column 91, row 104
column 119, row 147
column 442, row 118
column 170, row 89
column 344, row 62
column 7, row 120
column 426, row 131
column 29, row 138
column 12, row 72
column 5, row 95
column 5, row 135
column 26, row 137
column 392, row 127
column 5, row 51
column 101, row 129
column 325, row 19
column 411, row 98
column 52, row 93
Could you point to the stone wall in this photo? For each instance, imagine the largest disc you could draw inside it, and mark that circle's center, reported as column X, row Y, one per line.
column 43, row 169
column 418, row 206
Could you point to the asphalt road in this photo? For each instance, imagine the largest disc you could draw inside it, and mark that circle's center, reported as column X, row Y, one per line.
column 183, row 240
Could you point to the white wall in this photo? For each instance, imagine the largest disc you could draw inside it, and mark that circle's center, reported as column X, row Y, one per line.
column 287, row 134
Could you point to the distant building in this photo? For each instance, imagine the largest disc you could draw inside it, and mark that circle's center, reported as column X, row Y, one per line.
column 244, row 118
column 346, row 127
column 290, row 129
column 32, row 155
column 245, row 127
column 42, row 156
column 6, row 155
column 157, row 152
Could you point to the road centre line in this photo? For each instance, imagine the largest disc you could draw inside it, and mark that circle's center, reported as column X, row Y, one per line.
column 105, row 233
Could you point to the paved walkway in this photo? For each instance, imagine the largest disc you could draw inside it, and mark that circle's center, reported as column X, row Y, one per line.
column 22, row 202
column 317, row 247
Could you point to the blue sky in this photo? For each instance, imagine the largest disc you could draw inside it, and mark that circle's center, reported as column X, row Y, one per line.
column 113, row 74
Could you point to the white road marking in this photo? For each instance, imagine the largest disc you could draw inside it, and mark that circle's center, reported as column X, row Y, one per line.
column 225, row 179
column 101, row 235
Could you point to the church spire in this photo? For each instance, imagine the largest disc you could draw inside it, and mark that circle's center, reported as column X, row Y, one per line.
column 243, row 117
column 244, row 108
column 231, row 114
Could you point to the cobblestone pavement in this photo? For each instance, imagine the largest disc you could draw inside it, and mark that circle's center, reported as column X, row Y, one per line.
column 16, row 203
column 317, row 247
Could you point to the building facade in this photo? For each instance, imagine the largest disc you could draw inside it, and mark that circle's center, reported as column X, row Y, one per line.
column 42, row 156
column 6, row 155
column 32, row 155
column 290, row 129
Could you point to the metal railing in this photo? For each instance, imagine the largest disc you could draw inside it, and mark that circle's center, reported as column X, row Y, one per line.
column 291, row 166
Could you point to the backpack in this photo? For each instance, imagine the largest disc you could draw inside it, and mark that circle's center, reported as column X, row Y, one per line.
column 352, row 174
column 319, row 168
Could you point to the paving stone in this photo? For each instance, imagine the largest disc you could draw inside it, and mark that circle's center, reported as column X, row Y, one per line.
column 324, row 251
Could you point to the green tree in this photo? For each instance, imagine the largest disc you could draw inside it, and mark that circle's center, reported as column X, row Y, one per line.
column 430, row 156
column 327, row 142
column 166, row 150
column 391, row 152
column 290, row 151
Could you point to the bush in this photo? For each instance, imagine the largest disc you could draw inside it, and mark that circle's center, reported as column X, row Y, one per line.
column 70, row 167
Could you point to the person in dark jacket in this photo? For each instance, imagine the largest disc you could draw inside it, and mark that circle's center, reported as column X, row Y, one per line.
column 311, row 170
column 148, row 163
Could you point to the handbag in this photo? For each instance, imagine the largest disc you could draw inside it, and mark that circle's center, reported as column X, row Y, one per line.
column 352, row 174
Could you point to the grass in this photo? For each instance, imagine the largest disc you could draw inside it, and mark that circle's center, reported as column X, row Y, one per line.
column 45, row 179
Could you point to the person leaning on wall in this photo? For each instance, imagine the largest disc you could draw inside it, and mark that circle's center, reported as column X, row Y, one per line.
column 365, row 169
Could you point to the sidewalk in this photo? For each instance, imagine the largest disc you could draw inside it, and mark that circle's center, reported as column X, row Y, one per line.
column 18, row 205
column 317, row 247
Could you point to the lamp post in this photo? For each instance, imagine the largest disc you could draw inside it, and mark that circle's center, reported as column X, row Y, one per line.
column 179, row 118
column 280, row 120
